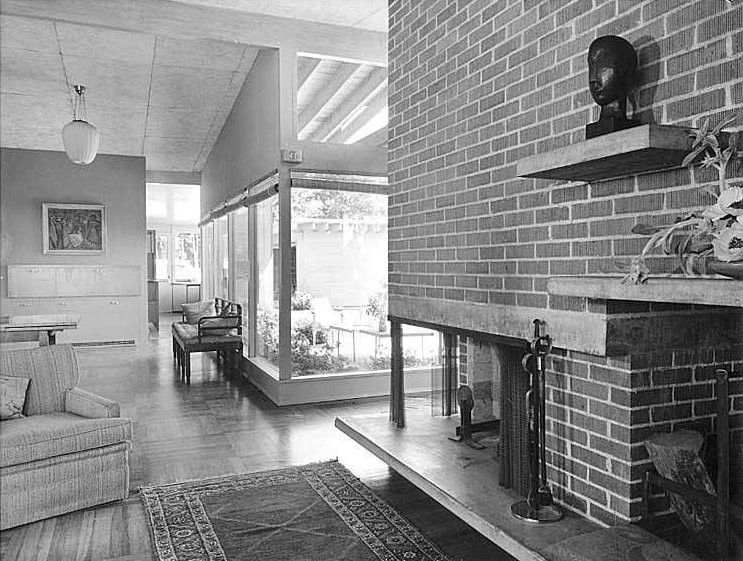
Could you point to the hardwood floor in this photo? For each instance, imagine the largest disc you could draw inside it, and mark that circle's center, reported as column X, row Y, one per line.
column 217, row 425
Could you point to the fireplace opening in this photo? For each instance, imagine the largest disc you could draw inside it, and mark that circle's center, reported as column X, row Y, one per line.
column 600, row 409
column 493, row 376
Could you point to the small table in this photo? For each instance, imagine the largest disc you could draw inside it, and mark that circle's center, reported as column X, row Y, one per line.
column 44, row 327
column 386, row 335
column 342, row 328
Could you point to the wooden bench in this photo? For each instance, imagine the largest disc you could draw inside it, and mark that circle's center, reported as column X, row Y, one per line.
column 221, row 331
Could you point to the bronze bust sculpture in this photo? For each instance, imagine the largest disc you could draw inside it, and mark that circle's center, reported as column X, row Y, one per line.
column 612, row 69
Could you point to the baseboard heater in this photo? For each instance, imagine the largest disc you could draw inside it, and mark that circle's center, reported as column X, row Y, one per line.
column 121, row 343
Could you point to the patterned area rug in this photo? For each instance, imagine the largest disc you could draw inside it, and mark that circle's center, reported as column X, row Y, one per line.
column 314, row 512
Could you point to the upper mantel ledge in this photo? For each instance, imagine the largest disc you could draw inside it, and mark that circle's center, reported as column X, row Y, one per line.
column 641, row 149
column 702, row 291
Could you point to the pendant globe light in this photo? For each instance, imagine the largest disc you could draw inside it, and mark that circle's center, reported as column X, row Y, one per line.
column 79, row 137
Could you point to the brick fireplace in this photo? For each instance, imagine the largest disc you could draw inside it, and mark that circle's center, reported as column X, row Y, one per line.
column 474, row 88
column 628, row 370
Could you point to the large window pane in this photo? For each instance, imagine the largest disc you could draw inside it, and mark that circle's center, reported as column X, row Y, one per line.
column 340, row 304
column 241, row 266
column 207, row 255
column 187, row 261
column 222, row 268
column 266, row 244
column 162, row 256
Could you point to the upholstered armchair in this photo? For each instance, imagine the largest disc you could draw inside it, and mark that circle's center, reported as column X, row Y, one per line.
column 70, row 450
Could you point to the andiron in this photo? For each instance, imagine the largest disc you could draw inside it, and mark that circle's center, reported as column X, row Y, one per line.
column 466, row 402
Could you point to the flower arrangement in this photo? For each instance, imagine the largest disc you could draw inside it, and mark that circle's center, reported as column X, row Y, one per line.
column 376, row 307
column 714, row 230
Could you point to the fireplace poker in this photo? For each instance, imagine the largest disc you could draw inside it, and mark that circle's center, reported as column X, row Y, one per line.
column 538, row 506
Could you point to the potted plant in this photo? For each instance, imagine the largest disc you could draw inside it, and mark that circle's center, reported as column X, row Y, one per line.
column 301, row 308
column 716, row 230
column 376, row 307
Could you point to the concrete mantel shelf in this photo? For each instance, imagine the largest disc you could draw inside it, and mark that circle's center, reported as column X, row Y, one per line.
column 599, row 332
column 641, row 149
column 702, row 291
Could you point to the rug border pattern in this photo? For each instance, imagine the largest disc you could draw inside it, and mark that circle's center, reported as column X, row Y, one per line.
column 186, row 496
column 206, row 530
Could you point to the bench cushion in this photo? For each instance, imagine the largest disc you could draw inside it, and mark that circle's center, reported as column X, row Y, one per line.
column 188, row 334
column 43, row 436
column 220, row 326
column 197, row 310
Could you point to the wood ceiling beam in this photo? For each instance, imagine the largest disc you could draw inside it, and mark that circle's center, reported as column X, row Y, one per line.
column 360, row 96
column 374, row 106
column 173, row 177
column 305, row 68
column 342, row 74
column 188, row 21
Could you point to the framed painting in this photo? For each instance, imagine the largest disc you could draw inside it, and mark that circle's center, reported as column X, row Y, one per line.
column 72, row 229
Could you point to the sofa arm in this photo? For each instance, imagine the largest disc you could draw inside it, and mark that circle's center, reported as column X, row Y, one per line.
column 90, row 405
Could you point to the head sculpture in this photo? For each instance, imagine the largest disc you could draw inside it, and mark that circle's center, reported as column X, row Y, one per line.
column 612, row 68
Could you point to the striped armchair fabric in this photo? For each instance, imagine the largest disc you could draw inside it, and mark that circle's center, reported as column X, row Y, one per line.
column 71, row 451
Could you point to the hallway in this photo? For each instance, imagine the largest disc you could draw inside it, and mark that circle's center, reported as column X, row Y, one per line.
column 217, row 425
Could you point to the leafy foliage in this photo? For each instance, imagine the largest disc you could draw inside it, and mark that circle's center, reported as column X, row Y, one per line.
column 325, row 203
column 301, row 301
column 384, row 361
column 268, row 330
column 376, row 306
column 320, row 359
column 306, row 357
column 698, row 234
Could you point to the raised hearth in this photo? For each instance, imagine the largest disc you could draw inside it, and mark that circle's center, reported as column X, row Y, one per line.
column 463, row 480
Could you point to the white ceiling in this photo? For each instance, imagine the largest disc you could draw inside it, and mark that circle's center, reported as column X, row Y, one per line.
column 150, row 95
column 361, row 14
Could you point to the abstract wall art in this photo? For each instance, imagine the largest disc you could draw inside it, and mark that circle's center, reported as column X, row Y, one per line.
column 73, row 229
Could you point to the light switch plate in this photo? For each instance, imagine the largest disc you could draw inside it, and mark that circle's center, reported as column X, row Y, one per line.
column 291, row 155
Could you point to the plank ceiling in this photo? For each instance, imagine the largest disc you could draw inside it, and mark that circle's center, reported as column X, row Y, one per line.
column 167, row 98
column 341, row 101
column 361, row 14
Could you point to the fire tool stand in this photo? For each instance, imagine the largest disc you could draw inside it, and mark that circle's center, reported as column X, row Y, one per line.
column 538, row 506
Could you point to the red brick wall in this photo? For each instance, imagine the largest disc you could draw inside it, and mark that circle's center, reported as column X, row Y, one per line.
column 600, row 410
column 475, row 86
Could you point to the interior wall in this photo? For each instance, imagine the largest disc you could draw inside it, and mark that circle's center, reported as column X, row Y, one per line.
column 248, row 146
column 29, row 178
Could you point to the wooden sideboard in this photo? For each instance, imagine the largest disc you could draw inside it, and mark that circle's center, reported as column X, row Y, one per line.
column 61, row 281
column 109, row 299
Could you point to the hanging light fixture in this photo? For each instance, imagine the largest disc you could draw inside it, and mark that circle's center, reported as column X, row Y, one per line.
column 79, row 137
